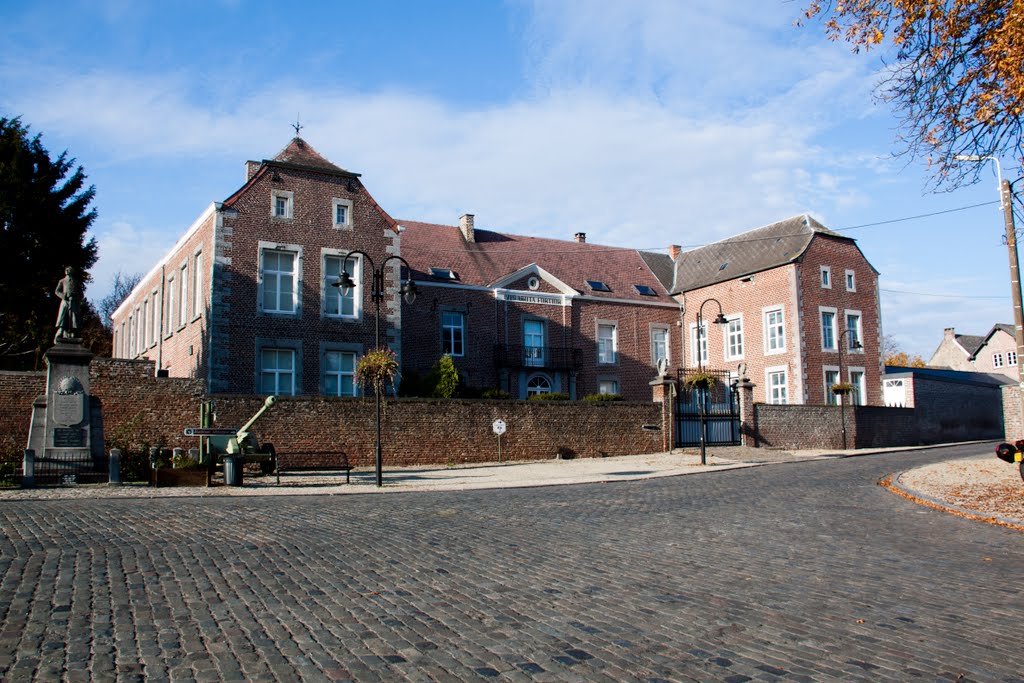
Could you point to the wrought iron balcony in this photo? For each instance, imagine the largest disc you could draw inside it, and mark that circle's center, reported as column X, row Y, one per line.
column 551, row 357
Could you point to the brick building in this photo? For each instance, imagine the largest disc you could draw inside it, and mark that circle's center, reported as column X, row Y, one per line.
column 994, row 352
column 792, row 291
column 531, row 315
column 244, row 301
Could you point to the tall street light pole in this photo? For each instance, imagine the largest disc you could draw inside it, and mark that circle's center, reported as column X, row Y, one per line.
column 719, row 320
column 378, row 291
column 1006, row 205
column 855, row 344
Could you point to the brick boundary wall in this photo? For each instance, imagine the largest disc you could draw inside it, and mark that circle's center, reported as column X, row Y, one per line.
column 944, row 412
column 1013, row 424
column 414, row 431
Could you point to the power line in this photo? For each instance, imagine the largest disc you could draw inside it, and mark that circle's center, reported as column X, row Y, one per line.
column 941, row 296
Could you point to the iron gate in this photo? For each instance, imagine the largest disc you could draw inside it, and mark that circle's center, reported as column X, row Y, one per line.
column 721, row 410
column 56, row 467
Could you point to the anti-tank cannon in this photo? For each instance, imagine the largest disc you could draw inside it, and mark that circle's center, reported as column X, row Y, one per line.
column 219, row 442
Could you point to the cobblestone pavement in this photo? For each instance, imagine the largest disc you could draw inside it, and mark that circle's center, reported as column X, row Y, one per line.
column 802, row 571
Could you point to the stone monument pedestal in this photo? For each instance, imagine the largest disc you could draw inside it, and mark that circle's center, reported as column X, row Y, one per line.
column 60, row 431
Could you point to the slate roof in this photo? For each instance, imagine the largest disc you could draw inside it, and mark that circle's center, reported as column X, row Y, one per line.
column 661, row 265
column 971, row 343
column 749, row 252
column 494, row 255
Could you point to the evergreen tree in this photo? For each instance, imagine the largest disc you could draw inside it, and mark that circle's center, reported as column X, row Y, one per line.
column 44, row 217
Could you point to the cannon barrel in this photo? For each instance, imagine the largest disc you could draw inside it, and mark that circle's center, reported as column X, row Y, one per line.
column 244, row 429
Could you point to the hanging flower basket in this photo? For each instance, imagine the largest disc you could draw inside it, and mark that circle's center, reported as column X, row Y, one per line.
column 842, row 388
column 376, row 370
column 700, row 380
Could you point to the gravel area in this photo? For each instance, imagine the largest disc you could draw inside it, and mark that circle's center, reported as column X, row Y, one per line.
column 984, row 486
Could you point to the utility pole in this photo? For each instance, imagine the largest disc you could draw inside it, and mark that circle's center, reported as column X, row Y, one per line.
column 1006, row 195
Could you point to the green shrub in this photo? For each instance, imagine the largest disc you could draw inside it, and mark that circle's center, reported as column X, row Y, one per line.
column 551, row 396
column 603, row 397
column 498, row 394
column 447, row 378
column 134, row 444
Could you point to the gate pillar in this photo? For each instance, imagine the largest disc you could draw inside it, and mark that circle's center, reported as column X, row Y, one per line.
column 663, row 390
column 748, row 431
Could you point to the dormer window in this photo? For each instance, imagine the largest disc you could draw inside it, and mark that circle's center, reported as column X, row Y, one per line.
column 443, row 273
column 644, row 290
column 598, row 286
column 281, row 204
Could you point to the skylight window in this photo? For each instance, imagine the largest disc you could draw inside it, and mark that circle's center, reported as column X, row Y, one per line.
column 443, row 274
column 598, row 286
column 644, row 290
column 722, row 267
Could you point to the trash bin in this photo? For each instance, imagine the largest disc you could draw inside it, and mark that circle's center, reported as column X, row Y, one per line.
column 233, row 470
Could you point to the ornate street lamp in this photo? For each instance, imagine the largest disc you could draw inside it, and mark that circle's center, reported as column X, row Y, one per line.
column 378, row 291
column 842, row 397
column 719, row 320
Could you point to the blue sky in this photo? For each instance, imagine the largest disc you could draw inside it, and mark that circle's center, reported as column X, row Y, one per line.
column 642, row 124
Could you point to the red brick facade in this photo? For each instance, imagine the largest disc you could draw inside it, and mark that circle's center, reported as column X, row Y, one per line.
column 795, row 292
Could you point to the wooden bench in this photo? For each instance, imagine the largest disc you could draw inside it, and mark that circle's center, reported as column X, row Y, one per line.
column 296, row 461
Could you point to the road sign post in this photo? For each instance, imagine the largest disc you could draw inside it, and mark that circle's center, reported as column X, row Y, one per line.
column 499, row 429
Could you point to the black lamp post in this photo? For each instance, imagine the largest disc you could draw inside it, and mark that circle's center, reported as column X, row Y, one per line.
column 842, row 397
column 719, row 320
column 345, row 284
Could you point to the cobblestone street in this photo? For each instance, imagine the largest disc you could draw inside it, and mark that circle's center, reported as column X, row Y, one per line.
column 795, row 571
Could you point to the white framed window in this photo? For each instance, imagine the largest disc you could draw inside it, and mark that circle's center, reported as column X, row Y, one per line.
column 774, row 330
column 337, row 305
column 778, row 387
column 154, row 336
column 699, row 346
column 538, row 384
column 857, row 379
column 831, row 378
column 851, row 281
column 169, row 308
column 1011, row 357
column 183, row 295
column 997, row 360
column 659, row 345
column 277, row 371
column 607, row 343
column 280, row 278
column 453, row 333
column 734, row 338
column 145, row 324
column 339, row 373
column 826, row 277
column 341, row 213
column 828, row 328
column 281, row 204
column 197, row 285
column 854, row 343
column 607, row 386
column 123, row 343
column 131, row 336
column 533, row 342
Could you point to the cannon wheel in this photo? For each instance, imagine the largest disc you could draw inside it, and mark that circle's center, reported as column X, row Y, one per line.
column 1022, row 470
column 270, row 465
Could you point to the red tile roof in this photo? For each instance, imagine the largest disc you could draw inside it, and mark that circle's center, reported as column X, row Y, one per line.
column 299, row 153
column 494, row 255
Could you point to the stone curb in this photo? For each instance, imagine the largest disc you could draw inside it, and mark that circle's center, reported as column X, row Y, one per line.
column 894, row 484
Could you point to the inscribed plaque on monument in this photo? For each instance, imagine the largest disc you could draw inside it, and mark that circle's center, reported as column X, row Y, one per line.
column 68, row 438
column 68, row 409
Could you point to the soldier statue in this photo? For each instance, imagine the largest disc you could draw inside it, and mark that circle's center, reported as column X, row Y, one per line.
column 70, row 295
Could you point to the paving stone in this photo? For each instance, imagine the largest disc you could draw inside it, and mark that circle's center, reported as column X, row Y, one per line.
column 803, row 571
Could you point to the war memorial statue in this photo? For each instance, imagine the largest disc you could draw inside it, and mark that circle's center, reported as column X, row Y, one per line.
column 69, row 292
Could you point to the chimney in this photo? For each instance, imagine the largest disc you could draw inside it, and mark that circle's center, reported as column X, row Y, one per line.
column 949, row 333
column 466, row 226
column 580, row 237
column 250, row 169
column 673, row 251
